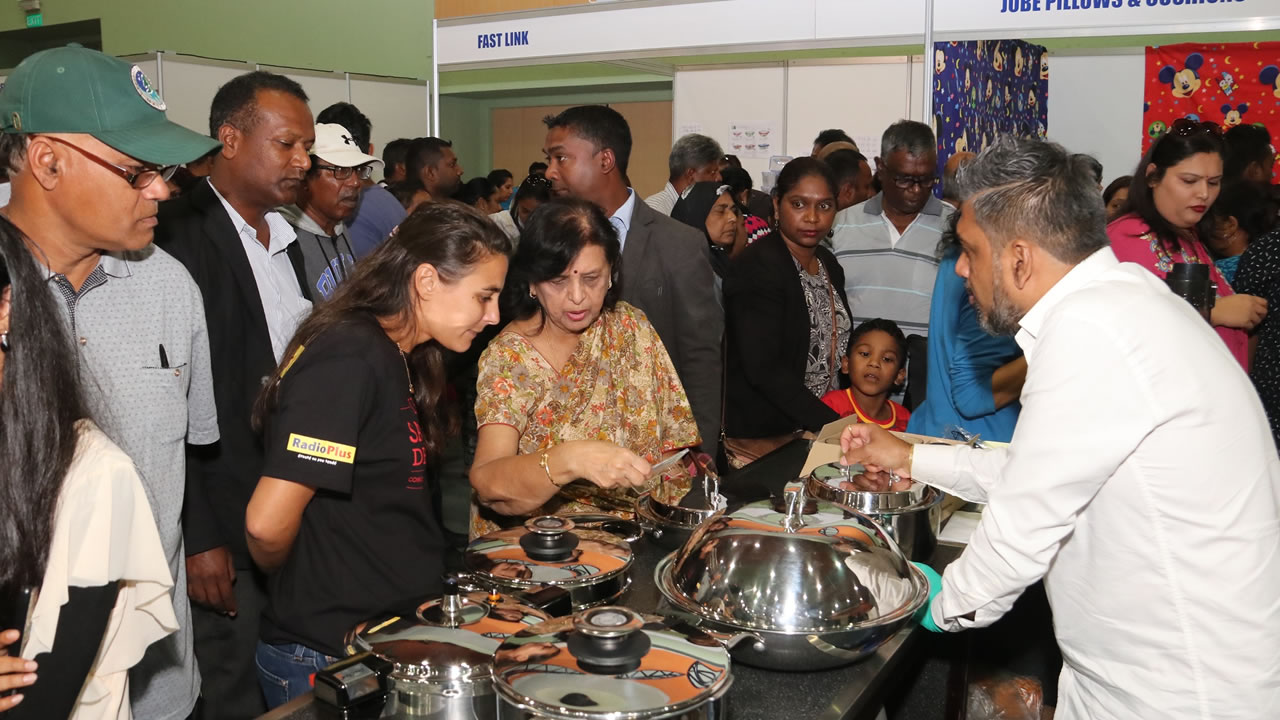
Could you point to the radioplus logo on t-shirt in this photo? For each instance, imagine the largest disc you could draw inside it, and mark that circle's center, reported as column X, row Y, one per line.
column 329, row 452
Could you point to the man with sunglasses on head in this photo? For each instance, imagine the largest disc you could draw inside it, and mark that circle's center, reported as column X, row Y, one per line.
column 245, row 259
column 89, row 150
column 888, row 244
column 329, row 197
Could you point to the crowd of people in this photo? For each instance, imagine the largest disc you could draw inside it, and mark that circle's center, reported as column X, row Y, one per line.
column 233, row 365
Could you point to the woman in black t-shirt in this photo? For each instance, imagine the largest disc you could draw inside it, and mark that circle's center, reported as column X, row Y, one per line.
column 342, row 517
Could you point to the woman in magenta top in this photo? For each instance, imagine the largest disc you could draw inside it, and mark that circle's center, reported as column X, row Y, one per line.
column 1173, row 187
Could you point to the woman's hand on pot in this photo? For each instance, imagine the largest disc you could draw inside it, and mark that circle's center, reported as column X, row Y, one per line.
column 1242, row 312
column 607, row 465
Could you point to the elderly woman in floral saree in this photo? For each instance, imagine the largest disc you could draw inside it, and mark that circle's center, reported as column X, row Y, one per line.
column 577, row 397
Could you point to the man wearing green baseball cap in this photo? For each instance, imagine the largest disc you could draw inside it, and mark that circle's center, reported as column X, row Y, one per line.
column 88, row 149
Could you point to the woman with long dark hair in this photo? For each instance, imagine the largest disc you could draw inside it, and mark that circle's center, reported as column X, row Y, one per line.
column 787, row 319
column 577, row 395
column 1174, row 185
column 80, row 557
column 342, row 518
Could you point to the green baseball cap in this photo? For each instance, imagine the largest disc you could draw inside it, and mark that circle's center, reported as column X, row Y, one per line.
column 77, row 90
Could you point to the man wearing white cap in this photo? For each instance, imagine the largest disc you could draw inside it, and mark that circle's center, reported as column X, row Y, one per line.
column 329, row 195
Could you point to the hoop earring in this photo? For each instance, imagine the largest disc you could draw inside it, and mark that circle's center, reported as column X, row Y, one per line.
column 4, row 342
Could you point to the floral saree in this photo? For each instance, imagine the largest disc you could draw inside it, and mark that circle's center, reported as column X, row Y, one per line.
column 619, row 385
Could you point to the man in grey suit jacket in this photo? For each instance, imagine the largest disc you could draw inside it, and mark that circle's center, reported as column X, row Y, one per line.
column 666, row 265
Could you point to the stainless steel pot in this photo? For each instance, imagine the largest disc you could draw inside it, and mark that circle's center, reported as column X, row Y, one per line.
column 815, row 586
column 911, row 514
column 610, row 663
column 552, row 551
column 669, row 526
column 442, row 655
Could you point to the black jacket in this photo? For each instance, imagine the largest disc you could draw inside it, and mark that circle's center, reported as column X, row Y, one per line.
column 666, row 272
column 196, row 229
column 768, row 335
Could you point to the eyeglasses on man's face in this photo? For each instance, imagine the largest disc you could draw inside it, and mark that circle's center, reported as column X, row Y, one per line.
column 906, row 181
column 137, row 179
column 364, row 172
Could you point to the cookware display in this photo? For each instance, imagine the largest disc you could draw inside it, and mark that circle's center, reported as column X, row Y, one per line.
column 441, row 655
column 591, row 565
column 611, row 663
column 814, row 584
column 911, row 512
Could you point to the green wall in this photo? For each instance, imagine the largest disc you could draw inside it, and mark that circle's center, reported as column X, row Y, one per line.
column 468, row 125
column 386, row 37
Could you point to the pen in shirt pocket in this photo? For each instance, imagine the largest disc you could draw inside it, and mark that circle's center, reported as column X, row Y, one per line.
column 164, row 357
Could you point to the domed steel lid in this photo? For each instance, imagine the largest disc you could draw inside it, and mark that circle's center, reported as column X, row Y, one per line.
column 807, row 566
column 448, row 638
column 611, row 662
column 834, row 482
column 548, row 550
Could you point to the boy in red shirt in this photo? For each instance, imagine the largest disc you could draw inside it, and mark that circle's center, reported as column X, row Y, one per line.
column 876, row 364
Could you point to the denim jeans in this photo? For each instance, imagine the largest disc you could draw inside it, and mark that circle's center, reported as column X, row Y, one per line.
column 285, row 670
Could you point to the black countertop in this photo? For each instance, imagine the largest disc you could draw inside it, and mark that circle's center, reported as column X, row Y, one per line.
column 849, row 693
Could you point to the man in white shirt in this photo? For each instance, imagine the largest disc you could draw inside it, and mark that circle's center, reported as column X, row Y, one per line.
column 1141, row 483
column 694, row 158
column 244, row 257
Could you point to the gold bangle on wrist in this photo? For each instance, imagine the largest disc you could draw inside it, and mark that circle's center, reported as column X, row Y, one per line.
column 547, row 469
column 911, row 458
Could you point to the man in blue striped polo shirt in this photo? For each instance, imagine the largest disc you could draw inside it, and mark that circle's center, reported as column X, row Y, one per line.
column 888, row 244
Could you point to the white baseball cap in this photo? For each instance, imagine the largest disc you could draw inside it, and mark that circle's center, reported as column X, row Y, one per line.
column 337, row 147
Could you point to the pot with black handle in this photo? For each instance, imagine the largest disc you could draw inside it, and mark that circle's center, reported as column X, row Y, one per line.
column 611, row 663
column 441, row 654
column 554, row 551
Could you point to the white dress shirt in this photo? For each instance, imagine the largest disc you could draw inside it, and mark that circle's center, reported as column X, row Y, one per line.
column 621, row 218
column 282, row 300
column 1142, row 484
column 664, row 201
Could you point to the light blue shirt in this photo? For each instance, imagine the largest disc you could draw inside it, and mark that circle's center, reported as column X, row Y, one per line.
column 962, row 359
column 621, row 218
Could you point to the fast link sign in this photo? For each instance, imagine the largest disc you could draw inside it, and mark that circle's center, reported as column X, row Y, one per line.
column 515, row 38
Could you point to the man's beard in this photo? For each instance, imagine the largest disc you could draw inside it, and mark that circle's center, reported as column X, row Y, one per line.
column 1004, row 316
